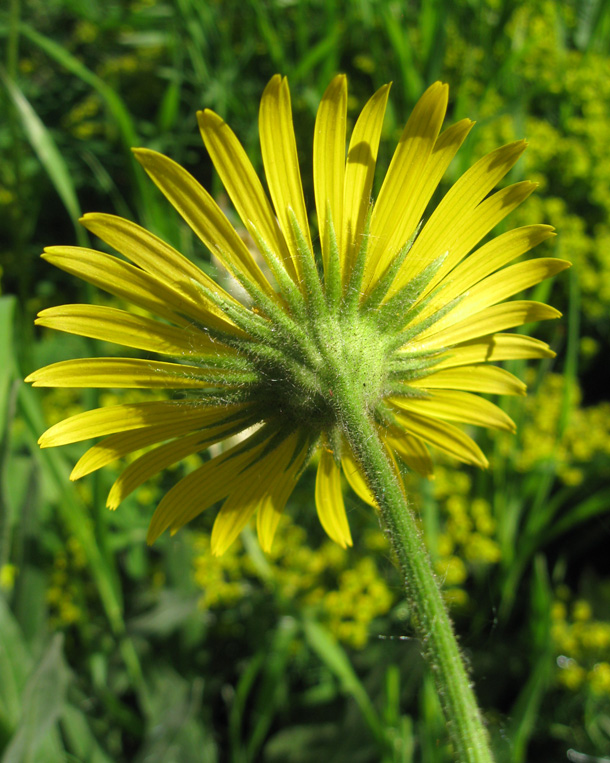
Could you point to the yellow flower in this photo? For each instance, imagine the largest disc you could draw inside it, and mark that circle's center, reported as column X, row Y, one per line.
column 406, row 314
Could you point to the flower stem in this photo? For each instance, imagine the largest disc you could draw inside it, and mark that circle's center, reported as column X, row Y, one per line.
column 430, row 617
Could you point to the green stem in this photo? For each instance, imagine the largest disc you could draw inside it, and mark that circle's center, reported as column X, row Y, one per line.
column 464, row 721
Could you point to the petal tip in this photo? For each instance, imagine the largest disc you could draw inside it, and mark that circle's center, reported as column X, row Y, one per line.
column 208, row 118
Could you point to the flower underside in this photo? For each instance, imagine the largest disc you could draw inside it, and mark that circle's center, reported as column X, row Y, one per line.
column 402, row 317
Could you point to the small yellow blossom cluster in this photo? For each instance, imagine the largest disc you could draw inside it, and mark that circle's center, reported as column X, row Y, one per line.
column 221, row 578
column 582, row 645
column 346, row 595
column 567, row 156
column 467, row 538
column 61, row 402
column 83, row 120
column 360, row 597
column 67, row 591
column 8, row 575
column 586, row 435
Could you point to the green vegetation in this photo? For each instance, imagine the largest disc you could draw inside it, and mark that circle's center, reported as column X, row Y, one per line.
column 111, row 651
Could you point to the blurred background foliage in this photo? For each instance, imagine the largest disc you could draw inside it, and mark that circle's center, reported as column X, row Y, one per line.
column 110, row 651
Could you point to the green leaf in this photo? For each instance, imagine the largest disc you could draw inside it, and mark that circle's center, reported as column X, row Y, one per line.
column 273, row 684
column 7, row 363
column 79, row 737
column 174, row 729
column 47, row 152
column 43, row 700
column 15, row 664
column 336, row 659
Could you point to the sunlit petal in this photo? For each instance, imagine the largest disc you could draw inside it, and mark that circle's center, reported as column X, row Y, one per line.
column 329, row 162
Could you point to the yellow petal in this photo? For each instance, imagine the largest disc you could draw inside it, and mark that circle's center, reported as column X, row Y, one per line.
column 444, row 436
column 272, row 506
column 487, row 379
column 359, row 172
column 445, row 149
column 123, row 418
column 494, row 255
column 129, row 330
column 355, row 477
column 264, row 484
column 462, row 407
column 499, row 286
column 496, row 347
column 127, row 373
column 478, row 223
column 160, row 260
column 412, row 451
column 203, row 215
column 134, row 285
column 495, row 318
column 242, row 183
column 460, row 220
column 143, row 248
column 159, row 459
column 279, row 149
column 202, row 488
column 329, row 501
column 329, row 161
column 121, row 444
column 401, row 201
column 124, row 281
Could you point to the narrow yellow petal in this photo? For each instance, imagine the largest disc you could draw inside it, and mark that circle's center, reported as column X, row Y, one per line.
column 329, row 161
column 412, row 451
column 486, row 379
column 264, row 484
column 126, row 373
column 478, row 223
column 160, row 260
column 401, row 202
column 155, row 461
column 272, row 506
column 355, row 477
column 461, row 217
column 506, row 315
column 143, row 248
column 279, row 150
column 510, row 281
column 499, row 286
column 123, row 418
column 119, row 445
column 202, row 488
column 443, row 436
column 445, row 149
column 329, row 501
column 203, row 215
column 492, row 256
column 462, row 407
column 242, row 183
column 359, row 173
column 124, row 281
column 495, row 347
column 234, row 515
column 112, row 325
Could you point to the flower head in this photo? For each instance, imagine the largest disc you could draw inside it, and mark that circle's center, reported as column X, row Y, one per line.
column 402, row 314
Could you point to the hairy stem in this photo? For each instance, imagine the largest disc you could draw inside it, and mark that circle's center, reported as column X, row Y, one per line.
column 430, row 617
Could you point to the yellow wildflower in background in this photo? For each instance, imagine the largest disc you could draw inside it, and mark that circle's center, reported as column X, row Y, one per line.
column 410, row 313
